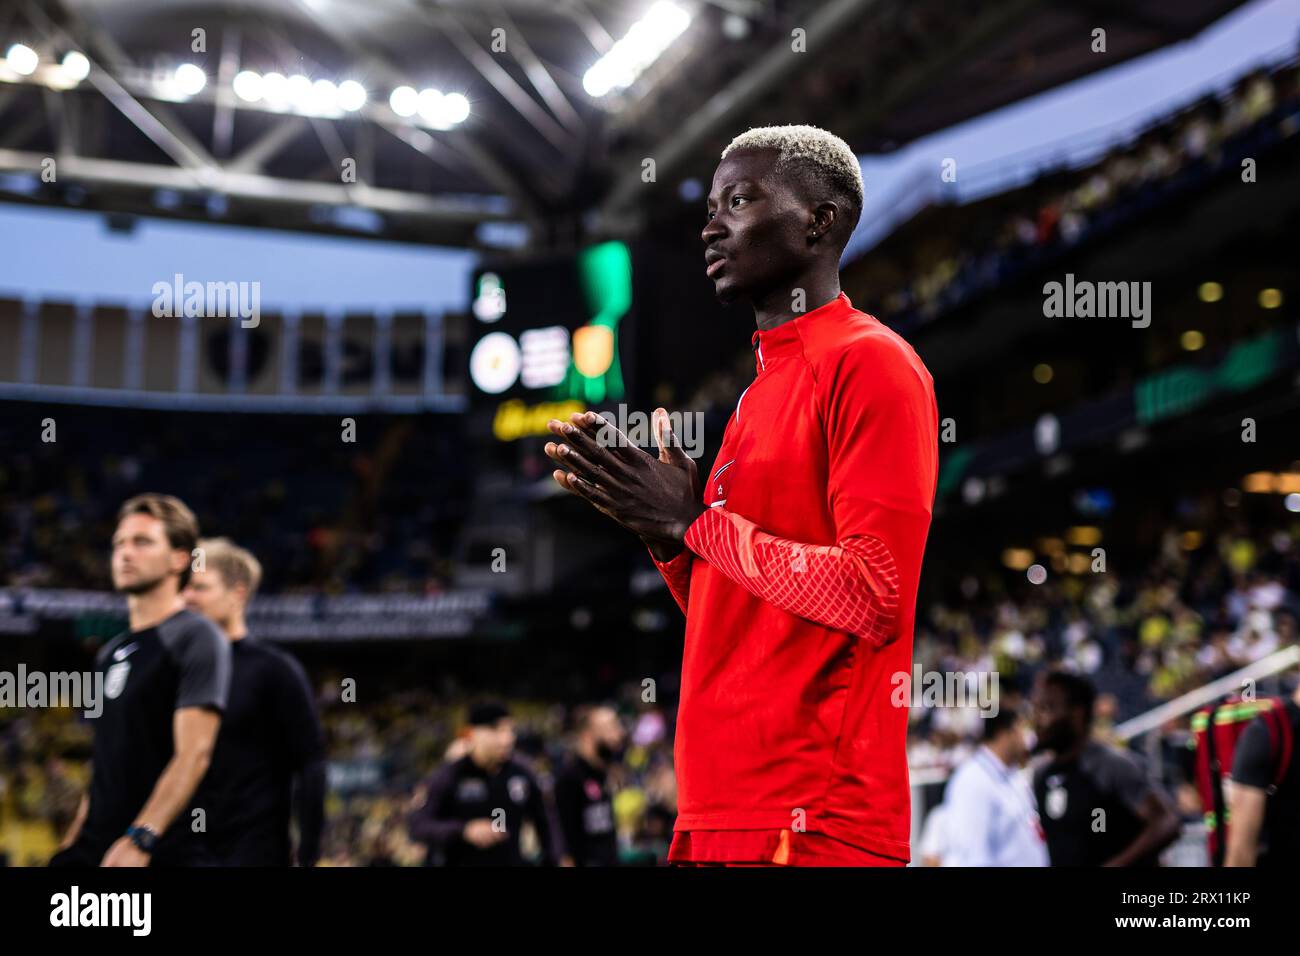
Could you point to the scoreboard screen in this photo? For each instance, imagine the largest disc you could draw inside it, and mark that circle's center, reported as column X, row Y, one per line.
column 545, row 335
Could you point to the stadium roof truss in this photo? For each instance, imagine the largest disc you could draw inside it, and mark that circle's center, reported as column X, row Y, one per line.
column 125, row 132
column 538, row 149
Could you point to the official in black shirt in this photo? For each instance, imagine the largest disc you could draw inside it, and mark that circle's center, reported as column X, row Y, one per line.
column 1096, row 806
column 471, row 810
column 1264, row 812
column 582, row 796
column 165, row 682
column 269, row 759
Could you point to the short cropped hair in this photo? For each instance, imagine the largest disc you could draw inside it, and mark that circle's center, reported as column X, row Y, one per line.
column 819, row 159
column 487, row 713
column 1079, row 691
column 178, row 521
column 236, row 565
column 583, row 715
column 995, row 724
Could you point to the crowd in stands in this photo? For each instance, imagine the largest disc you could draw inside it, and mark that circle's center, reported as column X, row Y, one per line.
column 1068, row 208
column 323, row 514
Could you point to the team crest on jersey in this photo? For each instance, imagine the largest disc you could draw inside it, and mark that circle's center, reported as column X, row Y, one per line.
column 115, row 679
column 1057, row 798
column 720, row 485
column 517, row 787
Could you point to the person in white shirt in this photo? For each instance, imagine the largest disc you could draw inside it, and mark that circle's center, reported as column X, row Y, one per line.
column 990, row 818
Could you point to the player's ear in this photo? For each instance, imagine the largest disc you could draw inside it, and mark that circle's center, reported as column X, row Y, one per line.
column 825, row 216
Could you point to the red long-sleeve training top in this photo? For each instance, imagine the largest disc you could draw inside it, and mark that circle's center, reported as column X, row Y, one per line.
column 799, row 588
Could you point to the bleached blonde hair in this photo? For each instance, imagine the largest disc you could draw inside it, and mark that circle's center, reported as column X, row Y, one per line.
column 809, row 150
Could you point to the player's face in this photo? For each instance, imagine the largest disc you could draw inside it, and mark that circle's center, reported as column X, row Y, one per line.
column 1052, row 722
column 756, row 235
column 609, row 731
column 504, row 738
column 207, row 594
column 1019, row 743
column 142, row 557
column 496, row 742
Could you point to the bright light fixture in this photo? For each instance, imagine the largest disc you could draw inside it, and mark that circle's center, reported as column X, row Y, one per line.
column 190, row 79
column 351, row 96
column 75, row 66
column 275, row 89
column 22, row 59
column 249, row 86
column 644, row 43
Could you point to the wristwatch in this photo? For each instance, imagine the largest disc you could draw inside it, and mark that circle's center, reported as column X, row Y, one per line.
column 144, row 837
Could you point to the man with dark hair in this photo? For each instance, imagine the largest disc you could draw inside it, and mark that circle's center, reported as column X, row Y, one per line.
column 797, row 560
column 471, row 811
column 165, row 686
column 582, row 787
column 1096, row 805
column 990, row 818
column 270, row 756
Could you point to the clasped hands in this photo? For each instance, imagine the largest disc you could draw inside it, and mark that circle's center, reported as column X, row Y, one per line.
column 655, row 498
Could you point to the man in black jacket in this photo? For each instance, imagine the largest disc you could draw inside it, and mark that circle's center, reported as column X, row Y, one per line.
column 1096, row 806
column 582, row 790
column 471, row 811
column 269, row 760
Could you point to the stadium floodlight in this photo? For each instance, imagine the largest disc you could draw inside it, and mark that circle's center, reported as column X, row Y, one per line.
column 22, row 59
column 249, row 86
column 455, row 108
column 324, row 97
column 75, row 66
column 644, row 43
column 432, row 108
column 299, row 91
column 351, row 96
column 275, row 90
column 404, row 101
column 190, row 79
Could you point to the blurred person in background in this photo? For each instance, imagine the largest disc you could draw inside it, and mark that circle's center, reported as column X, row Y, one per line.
column 582, row 795
column 165, row 683
column 471, row 811
column 989, row 813
column 1264, row 796
column 269, row 760
column 1096, row 805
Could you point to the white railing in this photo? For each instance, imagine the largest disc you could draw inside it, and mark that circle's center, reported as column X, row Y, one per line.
column 1274, row 663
